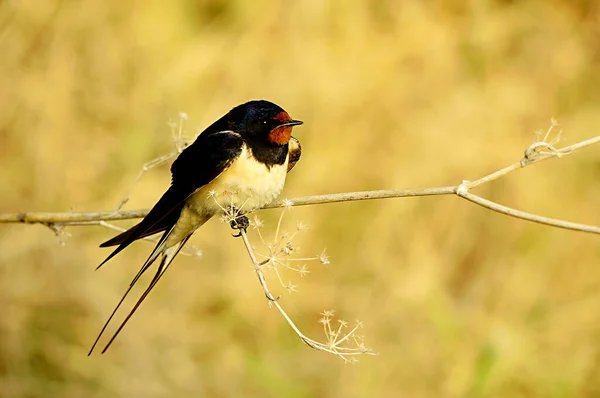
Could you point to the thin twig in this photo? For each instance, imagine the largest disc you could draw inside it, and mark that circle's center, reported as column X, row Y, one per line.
column 332, row 347
column 553, row 222
column 533, row 155
column 145, row 168
column 177, row 132
column 72, row 217
column 257, row 268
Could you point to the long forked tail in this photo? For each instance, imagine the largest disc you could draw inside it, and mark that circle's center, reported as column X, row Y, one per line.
column 162, row 217
column 168, row 255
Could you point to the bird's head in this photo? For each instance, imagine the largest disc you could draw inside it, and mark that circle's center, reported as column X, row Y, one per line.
column 262, row 121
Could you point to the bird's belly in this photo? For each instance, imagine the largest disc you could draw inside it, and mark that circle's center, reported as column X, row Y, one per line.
column 246, row 185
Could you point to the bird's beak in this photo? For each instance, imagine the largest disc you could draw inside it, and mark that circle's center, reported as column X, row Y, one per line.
column 292, row 123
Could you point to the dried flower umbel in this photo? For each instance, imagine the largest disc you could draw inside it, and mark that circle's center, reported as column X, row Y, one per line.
column 282, row 253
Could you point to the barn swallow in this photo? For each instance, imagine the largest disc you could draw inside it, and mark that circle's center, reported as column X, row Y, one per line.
column 238, row 163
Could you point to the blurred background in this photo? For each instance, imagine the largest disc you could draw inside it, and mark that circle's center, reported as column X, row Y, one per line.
column 457, row 300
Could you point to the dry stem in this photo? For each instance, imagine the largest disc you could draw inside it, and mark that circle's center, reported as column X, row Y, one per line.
column 536, row 152
column 335, row 338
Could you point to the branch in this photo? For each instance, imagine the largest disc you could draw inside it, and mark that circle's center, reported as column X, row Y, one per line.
column 553, row 222
column 335, row 339
column 536, row 152
column 72, row 218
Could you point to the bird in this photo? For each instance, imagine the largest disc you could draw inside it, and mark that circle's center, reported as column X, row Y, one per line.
column 236, row 165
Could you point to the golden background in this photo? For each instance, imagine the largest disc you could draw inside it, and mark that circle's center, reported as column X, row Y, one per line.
column 457, row 300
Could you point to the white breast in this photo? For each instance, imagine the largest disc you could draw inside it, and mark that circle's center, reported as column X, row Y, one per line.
column 246, row 185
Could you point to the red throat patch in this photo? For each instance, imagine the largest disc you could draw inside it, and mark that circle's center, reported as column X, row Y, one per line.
column 281, row 135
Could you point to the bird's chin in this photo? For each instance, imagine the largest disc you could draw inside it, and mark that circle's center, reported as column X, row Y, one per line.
column 280, row 135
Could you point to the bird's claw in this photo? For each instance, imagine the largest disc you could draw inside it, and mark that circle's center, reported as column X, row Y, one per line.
column 241, row 223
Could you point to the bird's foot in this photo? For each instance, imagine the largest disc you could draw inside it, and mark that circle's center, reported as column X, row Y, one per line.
column 241, row 223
